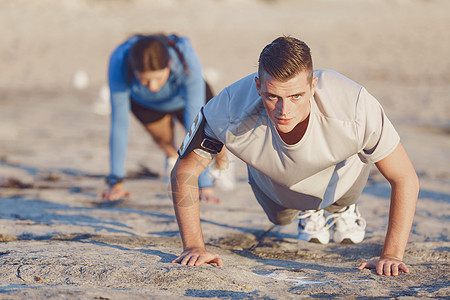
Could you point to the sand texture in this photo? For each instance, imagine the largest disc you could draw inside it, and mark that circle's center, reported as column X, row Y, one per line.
column 58, row 240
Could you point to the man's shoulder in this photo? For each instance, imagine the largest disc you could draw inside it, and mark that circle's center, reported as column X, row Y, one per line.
column 235, row 110
column 243, row 95
column 336, row 95
column 236, row 100
column 330, row 78
column 333, row 84
column 247, row 82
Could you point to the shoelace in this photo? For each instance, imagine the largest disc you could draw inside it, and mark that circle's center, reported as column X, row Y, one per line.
column 334, row 217
column 315, row 215
column 340, row 216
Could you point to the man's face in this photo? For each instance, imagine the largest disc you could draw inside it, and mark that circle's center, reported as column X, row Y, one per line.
column 287, row 103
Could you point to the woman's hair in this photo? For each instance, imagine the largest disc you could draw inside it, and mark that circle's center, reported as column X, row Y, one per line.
column 284, row 58
column 151, row 53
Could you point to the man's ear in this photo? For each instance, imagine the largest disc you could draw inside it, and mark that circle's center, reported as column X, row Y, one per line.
column 258, row 85
column 313, row 85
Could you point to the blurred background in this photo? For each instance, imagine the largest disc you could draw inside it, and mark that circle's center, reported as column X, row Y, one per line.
column 54, row 134
column 54, row 57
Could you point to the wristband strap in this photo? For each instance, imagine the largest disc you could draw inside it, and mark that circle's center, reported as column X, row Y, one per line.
column 112, row 180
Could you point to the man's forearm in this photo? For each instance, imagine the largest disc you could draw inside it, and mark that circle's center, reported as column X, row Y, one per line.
column 185, row 195
column 401, row 215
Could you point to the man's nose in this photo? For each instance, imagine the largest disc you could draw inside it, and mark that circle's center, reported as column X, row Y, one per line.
column 282, row 107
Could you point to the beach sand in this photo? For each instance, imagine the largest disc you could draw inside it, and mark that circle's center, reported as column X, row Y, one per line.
column 58, row 240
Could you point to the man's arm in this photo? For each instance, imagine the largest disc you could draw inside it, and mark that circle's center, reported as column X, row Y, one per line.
column 185, row 195
column 399, row 171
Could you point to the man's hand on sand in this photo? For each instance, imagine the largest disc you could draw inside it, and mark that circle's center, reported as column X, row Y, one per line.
column 387, row 266
column 197, row 257
column 115, row 192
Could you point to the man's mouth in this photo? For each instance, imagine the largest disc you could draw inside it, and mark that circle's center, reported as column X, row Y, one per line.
column 284, row 121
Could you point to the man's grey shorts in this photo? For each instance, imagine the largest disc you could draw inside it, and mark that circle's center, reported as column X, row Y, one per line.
column 280, row 215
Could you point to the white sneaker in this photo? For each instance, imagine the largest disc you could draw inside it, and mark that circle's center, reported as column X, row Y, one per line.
column 313, row 227
column 170, row 163
column 223, row 179
column 349, row 226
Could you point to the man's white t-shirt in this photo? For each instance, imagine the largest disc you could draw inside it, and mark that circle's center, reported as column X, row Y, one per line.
column 347, row 130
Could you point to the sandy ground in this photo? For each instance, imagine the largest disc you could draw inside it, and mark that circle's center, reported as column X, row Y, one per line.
column 57, row 240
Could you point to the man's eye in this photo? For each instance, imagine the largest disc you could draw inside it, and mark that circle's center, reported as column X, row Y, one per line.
column 296, row 97
column 272, row 97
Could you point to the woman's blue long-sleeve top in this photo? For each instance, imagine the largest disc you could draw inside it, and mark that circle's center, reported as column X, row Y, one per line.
column 180, row 91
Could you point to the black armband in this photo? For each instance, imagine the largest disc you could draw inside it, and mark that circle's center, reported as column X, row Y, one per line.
column 197, row 139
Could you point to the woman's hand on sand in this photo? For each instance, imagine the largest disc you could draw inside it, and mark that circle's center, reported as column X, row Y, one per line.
column 207, row 196
column 115, row 192
column 387, row 266
column 197, row 257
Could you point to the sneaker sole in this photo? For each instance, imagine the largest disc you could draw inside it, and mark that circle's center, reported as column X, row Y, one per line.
column 355, row 239
column 347, row 241
column 315, row 241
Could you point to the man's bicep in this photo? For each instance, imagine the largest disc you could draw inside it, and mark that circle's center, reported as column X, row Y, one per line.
column 396, row 166
column 184, row 179
column 192, row 163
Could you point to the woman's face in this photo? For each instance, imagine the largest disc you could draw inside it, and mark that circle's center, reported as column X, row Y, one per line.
column 153, row 80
